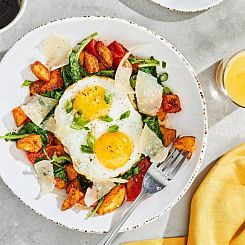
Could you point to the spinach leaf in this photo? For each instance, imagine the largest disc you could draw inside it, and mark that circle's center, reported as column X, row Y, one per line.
column 60, row 172
column 84, row 73
column 32, row 128
column 55, row 94
column 74, row 58
column 113, row 128
column 152, row 70
column 153, row 124
column 84, row 182
column 66, row 75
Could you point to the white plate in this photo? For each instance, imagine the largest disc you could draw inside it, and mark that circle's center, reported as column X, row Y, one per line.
column 18, row 173
column 188, row 5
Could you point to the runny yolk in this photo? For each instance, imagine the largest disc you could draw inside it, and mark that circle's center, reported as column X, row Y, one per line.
column 90, row 101
column 113, row 150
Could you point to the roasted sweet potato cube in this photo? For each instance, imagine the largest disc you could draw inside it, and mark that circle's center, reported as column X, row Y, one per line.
column 71, row 172
column 35, row 87
column 169, row 134
column 81, row 58
column 171, row 103
column 74, row 184
column 105, row 55
column 186, row 143
column 31, row 143
column 60, row 183
column 56, row 82
column 162, row 114
column 91, row 63
column 19, row 116
column 40, row 71
column 72, row 198
column 112, row 200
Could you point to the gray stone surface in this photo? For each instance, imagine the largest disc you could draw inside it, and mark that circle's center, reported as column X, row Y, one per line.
column 203, row 38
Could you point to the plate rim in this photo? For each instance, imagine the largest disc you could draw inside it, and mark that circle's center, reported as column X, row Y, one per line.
column 197, row 10
column 203, row 102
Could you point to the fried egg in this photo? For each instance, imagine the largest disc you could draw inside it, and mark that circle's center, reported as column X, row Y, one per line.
column 114, row 151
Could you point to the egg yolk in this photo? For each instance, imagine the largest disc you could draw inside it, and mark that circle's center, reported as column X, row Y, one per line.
column 90, row 101
column 113, row 150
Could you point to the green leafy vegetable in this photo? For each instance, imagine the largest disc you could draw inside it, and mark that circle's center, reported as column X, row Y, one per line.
column 163, row 78
column 26, row 83
column 108, row 97
column 133, row 81
column 66, row 75
column 61, row 159
column 152, row 70
column 106, row 118
column 153, row 124
column 131, row 172
column 60, row 172
column 113, row 128
column 166, row 90
column 125, row 115
column 74, row 58
column 164, row 64
column 79, row 122
column 90, row 139
column 106, row 73
column 13, row 136
column 84, row 73
column 93, row 212
column 55, row 94
column 151, row 61
column 68, row 106
column 86, row 149
column 84, row 182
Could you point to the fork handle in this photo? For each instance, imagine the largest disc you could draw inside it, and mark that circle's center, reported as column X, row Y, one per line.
column 109, row 237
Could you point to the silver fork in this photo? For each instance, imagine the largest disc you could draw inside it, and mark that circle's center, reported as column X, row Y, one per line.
column 156, row 178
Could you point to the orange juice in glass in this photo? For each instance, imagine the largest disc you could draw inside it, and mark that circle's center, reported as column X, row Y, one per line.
column 230, row 78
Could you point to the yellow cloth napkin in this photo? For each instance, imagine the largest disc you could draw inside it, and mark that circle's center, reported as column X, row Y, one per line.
column 218, row 206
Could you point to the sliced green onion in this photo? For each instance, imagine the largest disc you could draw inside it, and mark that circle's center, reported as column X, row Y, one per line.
column 163, row 77
column 93, row 211
column 164, row 64
column 125, row 115
column 68, row 106
column 108, row 97
column 166, row 90
column 90, row 140
column 26, row 83
column 106, row 118
column 86, row 149
column 113, row 128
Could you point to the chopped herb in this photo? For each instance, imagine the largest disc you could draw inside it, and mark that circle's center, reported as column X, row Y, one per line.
column 60, row 172
column 26, row 83
column 106, row 118
column 84, row 182
column 153, row 124
column 78, row 122
column 68, row 106
column 166, row 90
column 163, row 78
column 113, row 128
column 164, row 64
column 125, row 115
column 93, row 212
column 108, row 97
column 61, row 159
column 90, row 139
column 86, row 149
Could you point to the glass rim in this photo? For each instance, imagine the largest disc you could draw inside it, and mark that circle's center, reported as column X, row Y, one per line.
column 223, row 77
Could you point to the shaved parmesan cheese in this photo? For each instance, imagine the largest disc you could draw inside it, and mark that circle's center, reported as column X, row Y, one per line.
column 118, row 180
column 122, row 79
column 38, row 107
column 27, row 74
column 148, row 94
column 45, row 174
column 49, row 125
column 99, row 189
column 152, row 146
column 56, row 51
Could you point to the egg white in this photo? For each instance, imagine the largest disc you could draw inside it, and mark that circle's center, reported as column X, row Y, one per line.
column 88, row 164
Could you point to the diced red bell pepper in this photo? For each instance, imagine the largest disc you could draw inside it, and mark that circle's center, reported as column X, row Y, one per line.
column 91, row 48
column 50, row 150
column 134, row 184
